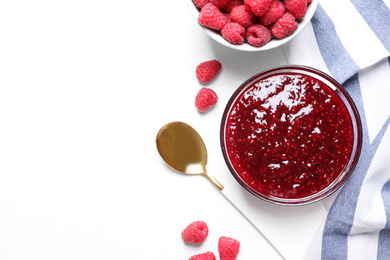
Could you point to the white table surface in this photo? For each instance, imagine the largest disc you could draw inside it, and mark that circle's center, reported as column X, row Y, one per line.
column 84, row 88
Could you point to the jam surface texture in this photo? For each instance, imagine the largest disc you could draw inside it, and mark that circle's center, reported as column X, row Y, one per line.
column 288, row 136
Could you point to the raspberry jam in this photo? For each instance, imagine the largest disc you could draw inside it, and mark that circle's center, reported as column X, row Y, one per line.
column 290, row 136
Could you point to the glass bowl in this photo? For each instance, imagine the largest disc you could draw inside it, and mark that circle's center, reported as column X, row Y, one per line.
column 274, row 43
column 291, row 135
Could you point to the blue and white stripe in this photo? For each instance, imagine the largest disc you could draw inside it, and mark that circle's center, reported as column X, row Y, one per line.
column 350, row 40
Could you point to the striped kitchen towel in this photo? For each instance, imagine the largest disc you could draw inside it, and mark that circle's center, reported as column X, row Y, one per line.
column 350, row 40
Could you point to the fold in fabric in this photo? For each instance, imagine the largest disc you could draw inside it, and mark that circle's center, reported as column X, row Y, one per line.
column 349, row 40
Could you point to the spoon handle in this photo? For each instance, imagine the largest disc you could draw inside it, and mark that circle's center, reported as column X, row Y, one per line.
column 229, row 195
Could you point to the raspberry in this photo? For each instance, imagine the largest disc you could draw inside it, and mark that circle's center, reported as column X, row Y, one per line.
column 205, row 99
column 228, row 19
column 232, row 4
column 258, row 35
column 207, row 70
column 228, row 248
column 196, row 232
column 200, row 3
column 297, row 8
column 285, row 26
column 242, row 15
column 275, row 12
column 219, row 3
column 258, row 7
column 204, row 256
column 233, row 33
column 211, row 17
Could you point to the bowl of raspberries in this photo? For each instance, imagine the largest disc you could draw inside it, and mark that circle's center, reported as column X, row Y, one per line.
column 252, row 25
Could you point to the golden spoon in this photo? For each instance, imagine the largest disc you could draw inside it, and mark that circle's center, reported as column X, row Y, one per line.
column 183, row 149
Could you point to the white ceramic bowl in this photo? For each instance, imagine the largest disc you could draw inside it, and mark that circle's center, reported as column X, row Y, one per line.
column 246, row 47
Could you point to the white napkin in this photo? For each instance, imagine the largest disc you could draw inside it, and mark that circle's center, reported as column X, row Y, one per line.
column 350, row 40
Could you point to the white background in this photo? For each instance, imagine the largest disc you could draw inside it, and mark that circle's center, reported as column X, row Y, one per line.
column 84, row 88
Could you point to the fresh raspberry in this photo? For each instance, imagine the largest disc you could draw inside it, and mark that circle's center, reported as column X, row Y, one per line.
column 298, row 8
column 227, row 16
column 233, row 33
column 205, row 99
column 232, row 4
column 228, row 248
column 207, row 70
column 200, row 3
column 196, row 232
column 211, row 17
column 242, row 15
column 258, row 7
column 258, row 35
column 219, row 3
column 285, row 26
column 204, row 256
column 275, row 12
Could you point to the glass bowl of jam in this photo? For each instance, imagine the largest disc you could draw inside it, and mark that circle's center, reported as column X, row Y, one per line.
column 291, row 135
